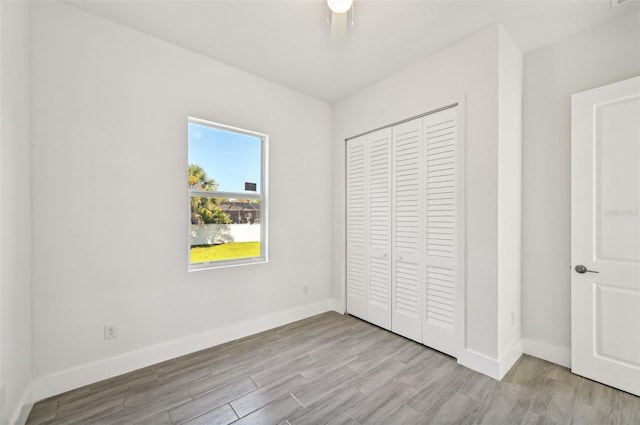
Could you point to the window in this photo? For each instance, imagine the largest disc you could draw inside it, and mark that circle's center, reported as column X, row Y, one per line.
column 227, row 195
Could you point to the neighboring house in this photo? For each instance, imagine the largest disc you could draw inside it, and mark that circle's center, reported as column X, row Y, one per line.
column 241, row 212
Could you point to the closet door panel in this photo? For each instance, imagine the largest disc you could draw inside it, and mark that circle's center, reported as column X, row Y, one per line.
column 440, row 188
column 402, row 212
column 407, row 236
column 379, row 228
column 356, row 228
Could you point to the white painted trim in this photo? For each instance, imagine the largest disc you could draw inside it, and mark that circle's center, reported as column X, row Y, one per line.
column 549, row 352
column 494, row 368
column 343, row 265
column 461, row 227
column 57, row 383
column 480, row 363
column 338, row 307
column 510, row 357
column 23, row 407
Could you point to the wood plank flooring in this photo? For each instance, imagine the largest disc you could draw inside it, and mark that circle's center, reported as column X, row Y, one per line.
column 337, row 370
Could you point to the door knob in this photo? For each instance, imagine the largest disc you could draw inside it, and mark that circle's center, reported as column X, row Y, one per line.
column 582, row 269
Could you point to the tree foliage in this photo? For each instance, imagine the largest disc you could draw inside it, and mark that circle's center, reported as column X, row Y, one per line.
column 204, row 209
column 198, row 179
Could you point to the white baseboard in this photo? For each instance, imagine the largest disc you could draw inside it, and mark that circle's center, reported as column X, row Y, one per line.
column 510, row 357
column 549, row 352
column 23, row 408
column 338, row 306
column 480, row 363
column 487, row 365
column 86, row 374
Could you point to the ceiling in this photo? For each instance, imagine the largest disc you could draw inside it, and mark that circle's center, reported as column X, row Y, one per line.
column 289, row 43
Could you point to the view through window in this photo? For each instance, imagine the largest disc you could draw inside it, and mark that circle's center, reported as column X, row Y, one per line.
column 227, row 195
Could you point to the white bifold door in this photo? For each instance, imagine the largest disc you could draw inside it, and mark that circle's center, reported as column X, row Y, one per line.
column 407, row 231
column 440, row 241
column 402, row 241
column 369, row 227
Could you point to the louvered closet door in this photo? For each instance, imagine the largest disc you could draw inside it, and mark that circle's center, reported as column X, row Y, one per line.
column 356, row 227
column 439, row 268
column 379, row 228
column 407, row 238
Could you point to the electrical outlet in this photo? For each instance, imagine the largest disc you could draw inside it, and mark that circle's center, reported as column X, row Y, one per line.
column 306, row 289
column 110, row 331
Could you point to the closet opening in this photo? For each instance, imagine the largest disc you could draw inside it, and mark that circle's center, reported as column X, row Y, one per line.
column 404, row 227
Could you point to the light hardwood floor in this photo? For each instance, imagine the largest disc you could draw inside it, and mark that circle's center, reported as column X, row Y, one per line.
column 338, row 370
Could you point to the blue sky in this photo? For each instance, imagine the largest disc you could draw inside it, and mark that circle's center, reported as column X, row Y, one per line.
column 231, row 159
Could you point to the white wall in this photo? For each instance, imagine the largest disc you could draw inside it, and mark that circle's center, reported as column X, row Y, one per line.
column 509, row 200
column 109, row 109
column 15, row 222
column 465, row 71
column 596, row 57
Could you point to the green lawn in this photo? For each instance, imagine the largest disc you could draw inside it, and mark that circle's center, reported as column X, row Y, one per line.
column 227, row 251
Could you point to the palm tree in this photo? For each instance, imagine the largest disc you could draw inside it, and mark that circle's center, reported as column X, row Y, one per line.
column 198, row 179
column 204, row 209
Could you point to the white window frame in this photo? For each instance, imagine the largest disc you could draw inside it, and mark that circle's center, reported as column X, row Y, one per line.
column 262, row 197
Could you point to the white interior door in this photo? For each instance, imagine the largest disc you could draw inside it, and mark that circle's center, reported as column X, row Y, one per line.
column 440, row 141
column 407, row 288
column 605, row 235
column 356, row 198
column 379, row 228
